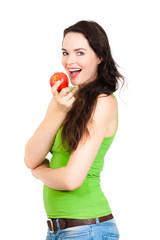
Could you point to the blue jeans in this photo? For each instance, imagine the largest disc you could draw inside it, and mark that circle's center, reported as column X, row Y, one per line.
column 100, row 231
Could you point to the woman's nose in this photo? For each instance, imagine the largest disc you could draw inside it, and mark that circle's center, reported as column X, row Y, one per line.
column 71, row 59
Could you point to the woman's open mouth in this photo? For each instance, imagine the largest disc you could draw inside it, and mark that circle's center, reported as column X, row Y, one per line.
column 74, row 72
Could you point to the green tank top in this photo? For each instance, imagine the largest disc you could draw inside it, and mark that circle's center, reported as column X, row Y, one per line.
column 87, row 201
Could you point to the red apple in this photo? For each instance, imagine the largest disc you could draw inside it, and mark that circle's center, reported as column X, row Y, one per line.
column 57, row 77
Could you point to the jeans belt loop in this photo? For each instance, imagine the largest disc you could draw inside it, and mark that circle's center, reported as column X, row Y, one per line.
column 57, row 221
column 97, row 220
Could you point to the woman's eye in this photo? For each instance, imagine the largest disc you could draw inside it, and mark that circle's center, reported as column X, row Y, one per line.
column 80, row 53
column 65, row 53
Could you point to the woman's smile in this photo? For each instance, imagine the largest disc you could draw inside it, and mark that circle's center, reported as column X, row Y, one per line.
column 74, row 72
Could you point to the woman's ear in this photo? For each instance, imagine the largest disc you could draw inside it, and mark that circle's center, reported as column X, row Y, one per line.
column 100, row 60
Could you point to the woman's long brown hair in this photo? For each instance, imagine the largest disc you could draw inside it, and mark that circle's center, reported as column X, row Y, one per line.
column 107, row 82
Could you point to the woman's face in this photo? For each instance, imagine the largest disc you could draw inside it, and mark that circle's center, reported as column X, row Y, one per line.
column 78, row 59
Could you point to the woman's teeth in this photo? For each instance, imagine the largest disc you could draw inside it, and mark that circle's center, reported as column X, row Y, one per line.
column 74, row 72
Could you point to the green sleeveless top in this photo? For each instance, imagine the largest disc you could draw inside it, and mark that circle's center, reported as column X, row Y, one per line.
column 87, row 201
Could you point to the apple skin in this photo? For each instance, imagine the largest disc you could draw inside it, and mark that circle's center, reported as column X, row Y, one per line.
column 58, row 76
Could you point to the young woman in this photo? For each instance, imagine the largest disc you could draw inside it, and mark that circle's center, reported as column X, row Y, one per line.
column 78, row 129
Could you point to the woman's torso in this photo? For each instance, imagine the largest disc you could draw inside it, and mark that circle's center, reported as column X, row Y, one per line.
column 87, row 201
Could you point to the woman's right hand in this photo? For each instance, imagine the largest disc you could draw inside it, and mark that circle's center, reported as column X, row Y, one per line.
column 64, row 99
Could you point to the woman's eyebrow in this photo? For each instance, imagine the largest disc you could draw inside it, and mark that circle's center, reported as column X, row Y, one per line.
column 80, row 49
column 77, row 49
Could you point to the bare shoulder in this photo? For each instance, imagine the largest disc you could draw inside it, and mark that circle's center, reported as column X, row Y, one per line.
column 105, row 114
column 107, row 103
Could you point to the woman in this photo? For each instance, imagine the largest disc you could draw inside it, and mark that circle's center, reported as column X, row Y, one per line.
column 78, row 129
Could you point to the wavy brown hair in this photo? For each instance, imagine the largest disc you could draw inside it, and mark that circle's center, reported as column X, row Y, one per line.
column 107, row 82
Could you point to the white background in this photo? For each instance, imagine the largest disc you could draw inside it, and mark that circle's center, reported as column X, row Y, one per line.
column 30, row 51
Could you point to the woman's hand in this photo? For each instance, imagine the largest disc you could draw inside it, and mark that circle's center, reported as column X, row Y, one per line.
column 45, row 164
column 64, row 99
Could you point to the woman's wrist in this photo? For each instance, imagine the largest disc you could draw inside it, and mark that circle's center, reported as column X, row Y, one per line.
column 38, row 170
column 60, row 114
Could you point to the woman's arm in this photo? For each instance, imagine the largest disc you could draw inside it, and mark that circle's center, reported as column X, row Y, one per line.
column 73, row 175
column 50, row 176
column 40, row 143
